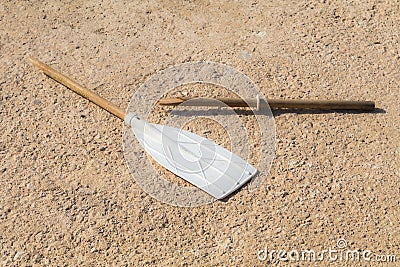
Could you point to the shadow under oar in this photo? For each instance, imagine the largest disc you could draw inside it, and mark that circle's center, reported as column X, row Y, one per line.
column 275, row 112
column 278, row 112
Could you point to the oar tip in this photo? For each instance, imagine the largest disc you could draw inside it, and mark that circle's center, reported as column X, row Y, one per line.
column 170, row 101
column 36, row 62
column 32, row 59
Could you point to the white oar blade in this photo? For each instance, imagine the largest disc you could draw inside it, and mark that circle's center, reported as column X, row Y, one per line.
column 196, row 159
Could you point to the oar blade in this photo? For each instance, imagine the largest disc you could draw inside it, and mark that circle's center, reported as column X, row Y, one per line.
column 196, row 159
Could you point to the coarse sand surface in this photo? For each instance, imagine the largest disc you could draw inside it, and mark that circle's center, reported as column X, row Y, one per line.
column 67, row 197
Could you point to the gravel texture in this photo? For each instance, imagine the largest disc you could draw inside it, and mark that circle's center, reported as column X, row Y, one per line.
column 67, row 197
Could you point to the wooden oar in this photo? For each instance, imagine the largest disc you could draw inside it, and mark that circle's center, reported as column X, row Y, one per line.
column 273, row 103
column 194, row 158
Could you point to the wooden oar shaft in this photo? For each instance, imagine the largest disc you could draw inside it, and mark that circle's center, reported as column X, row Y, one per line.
column 322, row 104
column 79, row 89
column 273, row 103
